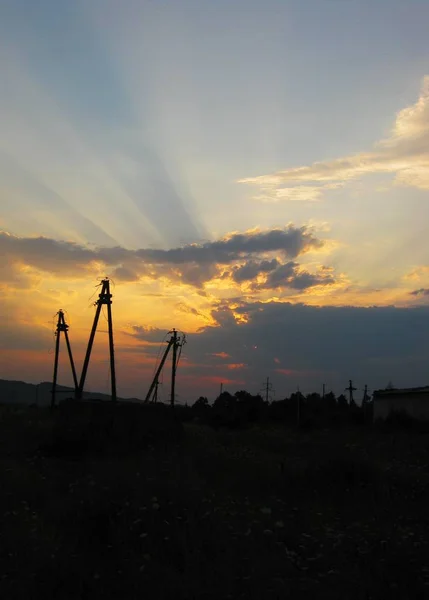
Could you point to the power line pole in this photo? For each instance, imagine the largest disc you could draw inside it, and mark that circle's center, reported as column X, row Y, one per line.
column 298, row 397
column 105, row 297
column 323, row 391
column 177, row 344
column 153, row 389
column 173, row 367
column 268, row 389
column 365, row 400
column 61, row 327
column 351, row 389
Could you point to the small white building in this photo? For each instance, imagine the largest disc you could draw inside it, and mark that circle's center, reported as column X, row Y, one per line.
column 412, row 401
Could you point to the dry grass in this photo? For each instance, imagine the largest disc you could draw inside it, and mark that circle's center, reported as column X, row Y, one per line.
column 262, row 513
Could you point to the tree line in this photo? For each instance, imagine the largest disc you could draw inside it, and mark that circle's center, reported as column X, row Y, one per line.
column 311, row 410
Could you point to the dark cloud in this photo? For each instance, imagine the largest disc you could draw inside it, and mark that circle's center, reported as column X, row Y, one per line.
column 288, row 275
column 303, row 345
column 281, row 276
column 125, row 274
column 251, row 269
column 193, row 264
column 146, row 334
column 290, row 242
column 46, row 254
column 298, row 280
column 420, row 292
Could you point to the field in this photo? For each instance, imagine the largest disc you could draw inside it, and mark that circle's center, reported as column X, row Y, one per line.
column 260, row 513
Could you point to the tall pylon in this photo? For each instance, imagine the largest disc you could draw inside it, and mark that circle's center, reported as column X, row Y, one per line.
column 268, row 389
column 104, row 297
column 61, row 327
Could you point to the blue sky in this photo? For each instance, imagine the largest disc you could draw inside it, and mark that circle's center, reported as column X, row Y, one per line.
column 156, row 124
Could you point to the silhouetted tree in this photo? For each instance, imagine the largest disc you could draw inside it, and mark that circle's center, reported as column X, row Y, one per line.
column 314, row 403
column 250, row 407
column 330, row 401
column 225, row 401
column 342, row 401
column 202, row 402
column 201, row 407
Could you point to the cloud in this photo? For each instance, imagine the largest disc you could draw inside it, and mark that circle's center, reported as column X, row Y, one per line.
column 418, row 273
column 290, row 241
column 148, row 335
column 405, row 154
column 288, row 275
column 420, row 292
column 251, row 269
column 307, row 345
column 46, row 254
column 298, row 193
column 192, row 264
column 277, row 275
column 220, row 354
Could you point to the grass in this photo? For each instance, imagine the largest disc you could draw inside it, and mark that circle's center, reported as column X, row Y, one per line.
column 185, row 512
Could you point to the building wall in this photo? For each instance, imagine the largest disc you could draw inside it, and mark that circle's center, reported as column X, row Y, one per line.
column 416, row 405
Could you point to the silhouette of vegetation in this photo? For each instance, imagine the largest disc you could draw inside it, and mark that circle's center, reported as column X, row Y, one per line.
column 257, row 508
column 312, row 411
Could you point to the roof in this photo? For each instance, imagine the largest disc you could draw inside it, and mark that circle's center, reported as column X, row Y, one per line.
column 400, row 392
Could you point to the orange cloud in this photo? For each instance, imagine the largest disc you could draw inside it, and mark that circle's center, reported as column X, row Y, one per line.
column 235, row 366
column 288, row 372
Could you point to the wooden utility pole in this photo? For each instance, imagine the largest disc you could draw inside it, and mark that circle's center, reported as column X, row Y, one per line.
column 298, row 415
column 153, row 389
column 174, row 342
column 61, row 327
column 365, row 400
column 105, row 297
column 173, row 367
column 351, row 389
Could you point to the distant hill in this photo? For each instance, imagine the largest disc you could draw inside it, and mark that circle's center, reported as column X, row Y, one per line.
column 19, row 392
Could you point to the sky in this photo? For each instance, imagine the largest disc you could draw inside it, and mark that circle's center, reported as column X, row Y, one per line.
column 252, row 173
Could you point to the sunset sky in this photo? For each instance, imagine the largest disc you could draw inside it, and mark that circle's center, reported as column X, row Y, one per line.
column 254, row 173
